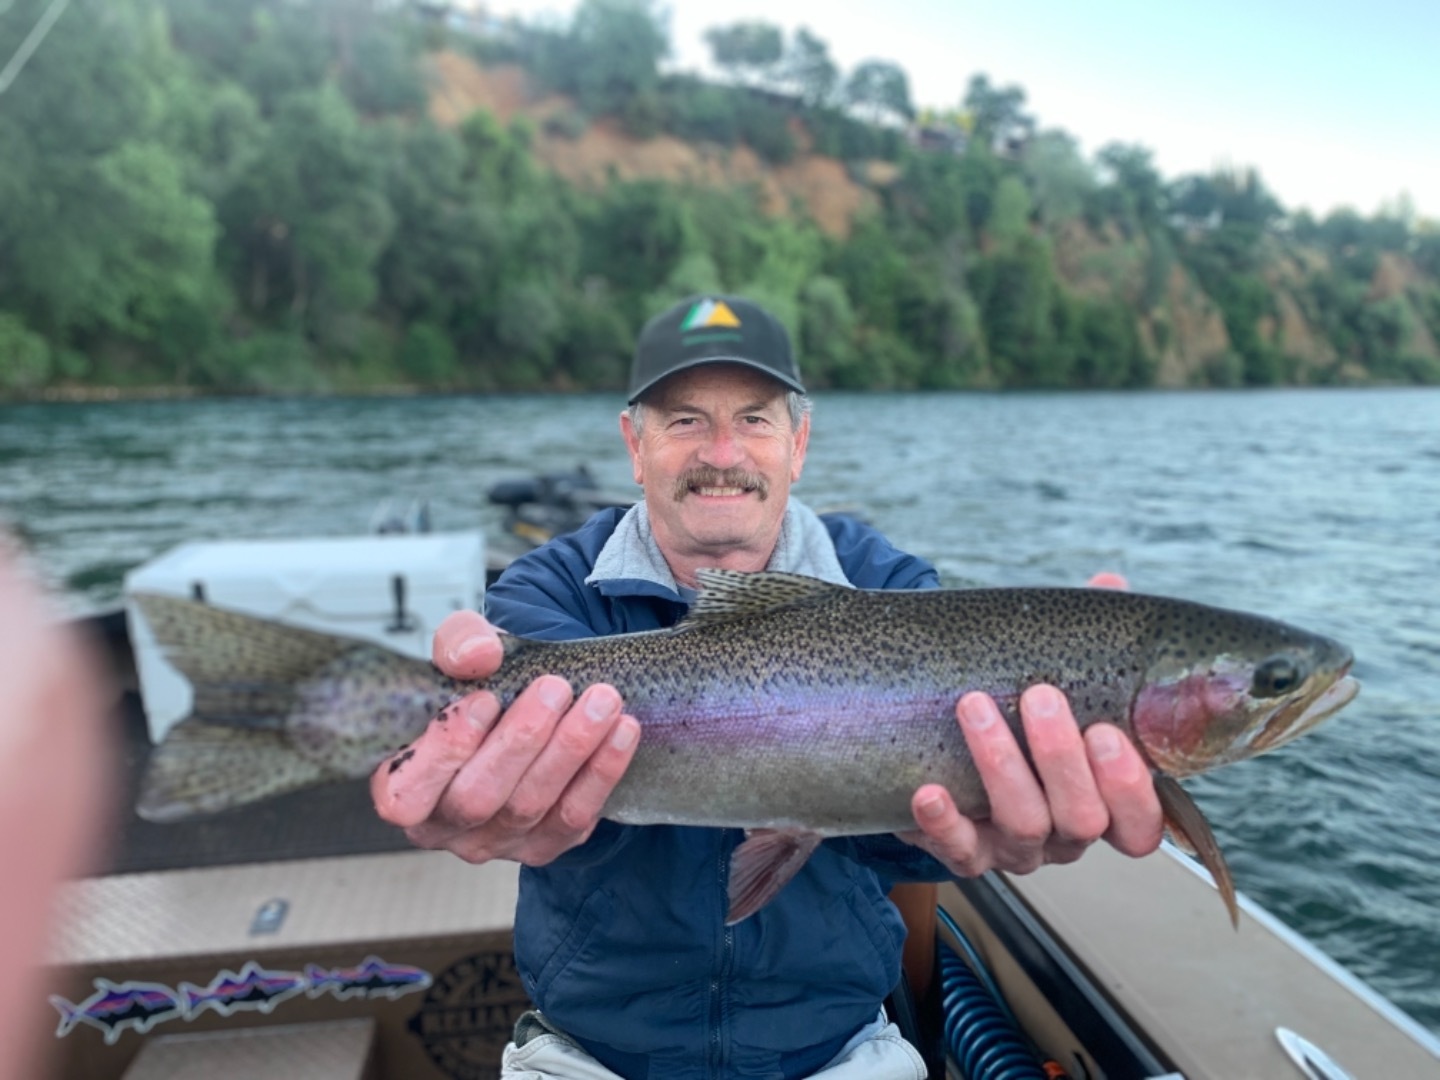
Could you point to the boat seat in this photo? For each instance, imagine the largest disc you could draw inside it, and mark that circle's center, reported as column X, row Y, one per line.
column 336, row 1050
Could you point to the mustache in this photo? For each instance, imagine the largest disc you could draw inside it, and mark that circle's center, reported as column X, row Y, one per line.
column 709, row 477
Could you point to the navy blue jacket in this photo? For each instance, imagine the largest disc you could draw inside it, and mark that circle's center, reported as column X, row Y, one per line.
column 622, row 942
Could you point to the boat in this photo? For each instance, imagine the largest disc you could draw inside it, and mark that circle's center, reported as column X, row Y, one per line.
column 302, row 936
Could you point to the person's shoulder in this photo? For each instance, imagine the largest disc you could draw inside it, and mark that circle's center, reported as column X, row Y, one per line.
column 543, row 592
column 871, row 561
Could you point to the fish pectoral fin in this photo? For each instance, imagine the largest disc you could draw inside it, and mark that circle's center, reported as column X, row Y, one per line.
column 1192, row 832
column 203, row 768
column 763, row 865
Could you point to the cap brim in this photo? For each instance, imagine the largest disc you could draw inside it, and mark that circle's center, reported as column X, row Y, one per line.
column 764, row 369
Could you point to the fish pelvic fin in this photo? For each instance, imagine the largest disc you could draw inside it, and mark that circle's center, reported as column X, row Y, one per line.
column 763, row 865
column 1189, row 828
column 203, row 768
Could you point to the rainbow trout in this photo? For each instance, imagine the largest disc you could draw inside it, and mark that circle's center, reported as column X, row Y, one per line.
column 781, row 704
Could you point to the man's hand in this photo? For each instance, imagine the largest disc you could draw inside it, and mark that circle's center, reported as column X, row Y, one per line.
column 1090, row 787
column 527, row 784
column 56, row 797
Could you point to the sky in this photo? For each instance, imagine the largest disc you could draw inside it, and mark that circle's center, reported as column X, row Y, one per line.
column 1334, row 102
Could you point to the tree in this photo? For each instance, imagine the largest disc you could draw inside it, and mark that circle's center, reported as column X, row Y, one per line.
column 881, row 90
column 309, row 220
column 1059, row 176
column 997, row 116
column 1130, row 172
column 616, row 46
column 749, row 52
column 808, row 69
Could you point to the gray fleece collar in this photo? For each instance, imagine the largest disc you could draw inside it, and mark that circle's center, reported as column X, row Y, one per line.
column 631, row 553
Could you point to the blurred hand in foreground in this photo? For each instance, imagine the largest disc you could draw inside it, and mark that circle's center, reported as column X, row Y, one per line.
column 55, row 788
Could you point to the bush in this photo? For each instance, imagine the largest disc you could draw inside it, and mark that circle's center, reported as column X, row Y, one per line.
column 567, row 124
column 427, row 356
column 24, row 356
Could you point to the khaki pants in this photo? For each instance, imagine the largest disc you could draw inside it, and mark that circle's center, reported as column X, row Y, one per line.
column 877, row 1052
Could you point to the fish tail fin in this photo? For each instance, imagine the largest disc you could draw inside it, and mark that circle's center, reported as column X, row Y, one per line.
column 70, row 1015
column 763, row 865
column 232, row 748
column 203, row 768
column 1188, row 826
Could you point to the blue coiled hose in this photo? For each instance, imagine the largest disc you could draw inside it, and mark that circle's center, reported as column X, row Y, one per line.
column 980, row 1032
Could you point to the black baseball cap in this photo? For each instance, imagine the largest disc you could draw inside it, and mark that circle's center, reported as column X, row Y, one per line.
column 712, row 330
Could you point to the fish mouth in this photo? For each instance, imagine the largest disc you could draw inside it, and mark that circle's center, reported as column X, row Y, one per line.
column 1306, row 713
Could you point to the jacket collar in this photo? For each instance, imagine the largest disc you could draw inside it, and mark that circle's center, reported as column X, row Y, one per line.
column 631, row 562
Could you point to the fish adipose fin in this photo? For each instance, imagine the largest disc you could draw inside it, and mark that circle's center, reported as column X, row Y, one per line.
column 1190, row 829
column 763, row 865
column 728, row 594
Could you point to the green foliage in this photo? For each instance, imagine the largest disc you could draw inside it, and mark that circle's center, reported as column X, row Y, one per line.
column 997, row 114
column 748, row 51
column 246, row 197
column 880, row 89
column 24, row 355
column 428, row 357
column 1061, row 180
column 608, row 58
column 808, row 71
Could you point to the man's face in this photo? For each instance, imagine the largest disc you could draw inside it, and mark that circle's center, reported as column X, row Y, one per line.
column 716, row 456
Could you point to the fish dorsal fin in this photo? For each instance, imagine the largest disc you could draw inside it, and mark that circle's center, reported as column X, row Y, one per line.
column 730, row 594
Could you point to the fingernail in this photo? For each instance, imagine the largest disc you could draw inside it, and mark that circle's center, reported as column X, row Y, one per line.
column 977, row 714
column 931, row 806
column 479, row 714
column 600, row 705
column 1043, row 702
column 554, row 693
column 1104, row 742
column 625, row 735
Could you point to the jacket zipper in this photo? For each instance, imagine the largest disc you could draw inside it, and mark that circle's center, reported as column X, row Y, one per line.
column 717, row 981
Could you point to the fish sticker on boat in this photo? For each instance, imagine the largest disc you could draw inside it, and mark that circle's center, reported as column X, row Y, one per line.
column 117, row 1007
column 253, row 988
column 373, row 978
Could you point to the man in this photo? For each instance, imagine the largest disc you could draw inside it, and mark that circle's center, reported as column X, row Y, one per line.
column 620, row 935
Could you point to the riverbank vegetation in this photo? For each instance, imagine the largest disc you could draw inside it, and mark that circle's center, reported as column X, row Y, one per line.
column 260, row 196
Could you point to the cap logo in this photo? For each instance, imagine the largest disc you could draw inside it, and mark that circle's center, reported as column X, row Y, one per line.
column 708, row 313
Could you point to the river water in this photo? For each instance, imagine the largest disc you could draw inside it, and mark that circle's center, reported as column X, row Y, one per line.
column 1319, row 507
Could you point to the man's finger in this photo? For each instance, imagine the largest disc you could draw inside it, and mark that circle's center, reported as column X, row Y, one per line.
column 578, row 735
column 1077, row 811
column 408, row 785
column 575, row 815
column 1017, row 803
column 946, row 833
column 1124, row 781
column 466, row 646
column 485, row 783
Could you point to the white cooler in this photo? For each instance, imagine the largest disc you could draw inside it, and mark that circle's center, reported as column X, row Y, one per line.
column 389, row 589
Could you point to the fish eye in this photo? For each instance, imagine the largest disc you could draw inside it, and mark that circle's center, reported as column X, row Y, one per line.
column 1276, row 676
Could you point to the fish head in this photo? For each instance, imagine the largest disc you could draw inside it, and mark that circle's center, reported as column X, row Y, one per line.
column 1225, row 686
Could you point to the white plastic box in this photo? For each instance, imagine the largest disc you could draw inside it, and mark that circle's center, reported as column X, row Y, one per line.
column 393, row 590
